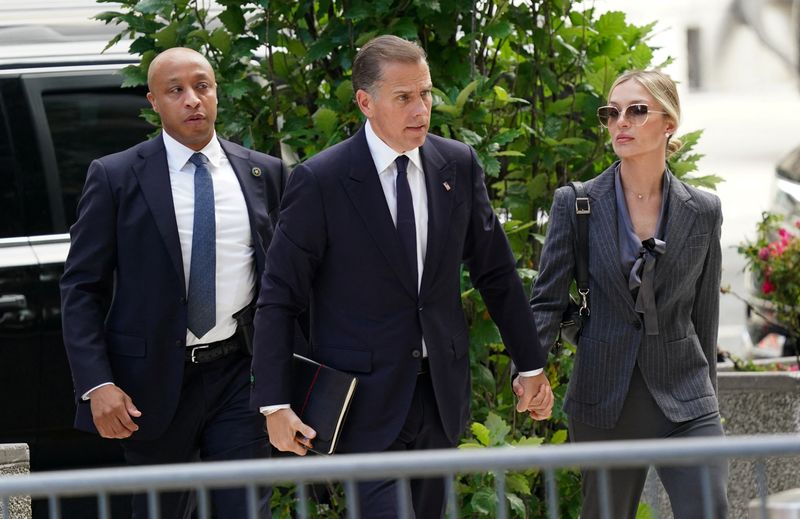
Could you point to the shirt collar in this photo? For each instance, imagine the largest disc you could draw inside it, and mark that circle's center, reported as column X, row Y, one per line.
column 383, row 155
column 178, row 154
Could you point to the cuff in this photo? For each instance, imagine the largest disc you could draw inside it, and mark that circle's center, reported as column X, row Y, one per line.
column 269, row 409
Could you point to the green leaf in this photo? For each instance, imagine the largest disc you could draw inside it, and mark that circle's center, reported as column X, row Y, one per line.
column 528, row 441
column 325, row 120
column 133, row 75
column 499, row 29
column 153, row 6
column 221, row 40
column 498, row 429
column 517, row 504
column 611, row 23
column 481, row 433
column 559, row 437
column 484, row 501
column 470, row 137
column 518, row 484
column 508, row 153
column 233, row 19
column 461, row 100
column 108, row 16
column 644, row 511
column 167, row 37
column 344, row 92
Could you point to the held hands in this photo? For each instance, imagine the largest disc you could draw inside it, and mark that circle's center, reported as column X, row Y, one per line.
column 535, row 396
column 287, row 433
column 112, row 410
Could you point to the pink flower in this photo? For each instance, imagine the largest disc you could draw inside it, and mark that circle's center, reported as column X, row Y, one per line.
column 797, row 224
column 767, row 287
column 763, row 254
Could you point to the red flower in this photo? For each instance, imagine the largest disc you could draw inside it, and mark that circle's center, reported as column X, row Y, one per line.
column 767, row 287
column 763, row 254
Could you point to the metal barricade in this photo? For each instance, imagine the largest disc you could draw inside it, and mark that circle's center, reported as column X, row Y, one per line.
column 349, row 469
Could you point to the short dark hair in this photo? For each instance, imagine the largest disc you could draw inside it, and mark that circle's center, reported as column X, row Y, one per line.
column 367, row 65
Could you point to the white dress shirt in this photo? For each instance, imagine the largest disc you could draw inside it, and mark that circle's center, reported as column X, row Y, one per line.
column 235, row 265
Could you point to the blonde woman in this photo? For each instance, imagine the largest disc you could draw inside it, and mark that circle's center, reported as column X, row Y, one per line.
column 646, row 359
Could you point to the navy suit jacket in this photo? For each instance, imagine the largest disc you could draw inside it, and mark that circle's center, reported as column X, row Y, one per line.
column 336, row 250
column 123, row 291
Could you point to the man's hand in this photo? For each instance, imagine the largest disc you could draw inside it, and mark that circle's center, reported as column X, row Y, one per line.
column 535, row 396
column 287, row 433
column 112, row 410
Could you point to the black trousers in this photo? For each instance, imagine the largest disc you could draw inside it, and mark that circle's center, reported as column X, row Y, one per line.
column 213, row 422
column 421, row 430
column 641, row 418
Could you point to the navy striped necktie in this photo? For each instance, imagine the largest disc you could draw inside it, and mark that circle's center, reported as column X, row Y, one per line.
column 202, row 297
column 406, row 225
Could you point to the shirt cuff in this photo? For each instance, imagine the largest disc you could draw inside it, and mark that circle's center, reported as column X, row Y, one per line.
column 269, row 409
column 531, row 373
column 86, row 396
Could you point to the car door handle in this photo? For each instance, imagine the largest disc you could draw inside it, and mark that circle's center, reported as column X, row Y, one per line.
column 11, row 302
column 14, row 309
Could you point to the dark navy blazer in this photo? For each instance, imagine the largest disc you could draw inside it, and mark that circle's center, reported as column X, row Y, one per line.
column 337, row 251
column 123, row 290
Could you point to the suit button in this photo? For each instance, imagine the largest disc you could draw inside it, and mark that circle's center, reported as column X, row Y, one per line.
column 183, row 300
column 637, row 325
column 419, row 309
column 416, row 354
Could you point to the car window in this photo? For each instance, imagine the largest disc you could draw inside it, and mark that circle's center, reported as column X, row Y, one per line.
column 86, row 125
column 10, row 220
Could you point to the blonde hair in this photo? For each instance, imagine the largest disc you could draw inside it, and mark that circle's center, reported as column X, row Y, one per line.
column 664, row 91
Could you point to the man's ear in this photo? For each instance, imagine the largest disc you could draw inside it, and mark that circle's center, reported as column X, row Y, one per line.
column 364, row 102
column 153, row 102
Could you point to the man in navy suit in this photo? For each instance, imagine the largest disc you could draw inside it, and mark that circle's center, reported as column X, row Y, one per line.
column 170, row 241
column 372, row 235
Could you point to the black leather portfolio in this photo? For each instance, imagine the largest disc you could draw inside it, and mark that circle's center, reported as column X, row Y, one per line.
column 321, row 397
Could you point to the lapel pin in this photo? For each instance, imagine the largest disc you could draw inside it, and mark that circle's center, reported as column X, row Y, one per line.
column 256, row 172
column 446, row 186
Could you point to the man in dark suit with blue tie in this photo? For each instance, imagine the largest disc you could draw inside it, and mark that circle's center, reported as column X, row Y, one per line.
column 169, row 243
column 372, row 235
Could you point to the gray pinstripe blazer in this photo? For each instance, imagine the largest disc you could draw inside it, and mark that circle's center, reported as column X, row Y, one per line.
column 678, row 364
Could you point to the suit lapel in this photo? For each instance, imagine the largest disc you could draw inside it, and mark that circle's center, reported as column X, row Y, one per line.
column 438, row 173
column 680, row 219
column 254, row 196
column 603, row 234
column 364, row 189
column 152, row 173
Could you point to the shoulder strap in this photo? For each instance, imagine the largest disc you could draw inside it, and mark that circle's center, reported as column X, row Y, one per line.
column 582, row 211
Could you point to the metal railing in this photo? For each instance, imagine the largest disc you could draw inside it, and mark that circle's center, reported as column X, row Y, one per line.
column 349, row 469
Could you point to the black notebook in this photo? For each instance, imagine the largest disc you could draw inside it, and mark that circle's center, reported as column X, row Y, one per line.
column 321, row 397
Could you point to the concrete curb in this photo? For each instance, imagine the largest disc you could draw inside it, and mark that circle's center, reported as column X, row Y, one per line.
column 15, row 459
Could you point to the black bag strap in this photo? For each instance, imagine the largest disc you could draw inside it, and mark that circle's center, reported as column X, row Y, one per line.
column 582, row 211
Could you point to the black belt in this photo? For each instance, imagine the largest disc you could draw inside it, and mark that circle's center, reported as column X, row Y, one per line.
column 202, row 353
column 424, row 367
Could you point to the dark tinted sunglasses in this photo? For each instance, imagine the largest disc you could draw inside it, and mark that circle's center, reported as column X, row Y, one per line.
column 635, row 114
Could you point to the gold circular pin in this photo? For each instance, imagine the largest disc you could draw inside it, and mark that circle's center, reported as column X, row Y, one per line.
column 256, row 172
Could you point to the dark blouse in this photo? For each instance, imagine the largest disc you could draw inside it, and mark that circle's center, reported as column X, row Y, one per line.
column 639, row 257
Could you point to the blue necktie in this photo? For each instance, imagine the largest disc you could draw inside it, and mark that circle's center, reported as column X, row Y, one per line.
column 202, row 311
column 406, row 226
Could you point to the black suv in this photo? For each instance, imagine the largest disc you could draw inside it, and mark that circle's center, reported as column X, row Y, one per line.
column 61, row 105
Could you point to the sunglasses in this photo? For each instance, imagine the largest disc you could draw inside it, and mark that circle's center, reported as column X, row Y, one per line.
column 635, row 114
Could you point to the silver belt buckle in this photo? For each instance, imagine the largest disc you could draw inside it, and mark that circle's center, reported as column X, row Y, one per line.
column 194, row 351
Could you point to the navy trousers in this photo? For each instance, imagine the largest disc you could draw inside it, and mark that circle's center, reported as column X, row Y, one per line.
column 421, row 430
column 213, row 422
